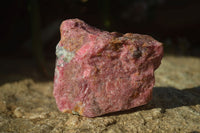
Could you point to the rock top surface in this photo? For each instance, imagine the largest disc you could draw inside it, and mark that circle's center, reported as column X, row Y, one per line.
column 99, row 72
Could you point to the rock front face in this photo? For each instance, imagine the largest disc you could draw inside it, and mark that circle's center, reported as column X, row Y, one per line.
column 99, row 72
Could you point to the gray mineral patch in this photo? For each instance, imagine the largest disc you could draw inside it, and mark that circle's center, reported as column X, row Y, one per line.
column 67, row 55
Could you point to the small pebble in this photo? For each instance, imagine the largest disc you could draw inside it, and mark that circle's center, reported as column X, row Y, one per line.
column 18, row 112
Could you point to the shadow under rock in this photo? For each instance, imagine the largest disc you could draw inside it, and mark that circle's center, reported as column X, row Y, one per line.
column 167, row 98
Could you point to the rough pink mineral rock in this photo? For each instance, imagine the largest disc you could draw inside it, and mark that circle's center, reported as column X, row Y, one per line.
column 99, row 72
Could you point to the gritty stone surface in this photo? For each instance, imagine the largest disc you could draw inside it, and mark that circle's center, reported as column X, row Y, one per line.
column 175, row 106
column 99, row 72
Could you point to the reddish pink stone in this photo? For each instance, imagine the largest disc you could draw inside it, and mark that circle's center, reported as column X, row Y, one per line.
column 98, row 72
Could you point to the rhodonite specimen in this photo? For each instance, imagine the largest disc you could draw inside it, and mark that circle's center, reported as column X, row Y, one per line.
column 98, row 72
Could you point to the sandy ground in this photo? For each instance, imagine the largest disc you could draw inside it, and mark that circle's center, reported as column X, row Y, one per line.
column 28, row 106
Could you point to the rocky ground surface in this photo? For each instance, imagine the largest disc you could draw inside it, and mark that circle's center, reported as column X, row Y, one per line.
column 27, row 103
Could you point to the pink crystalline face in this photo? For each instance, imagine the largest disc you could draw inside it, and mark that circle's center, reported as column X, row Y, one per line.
column 98, row 72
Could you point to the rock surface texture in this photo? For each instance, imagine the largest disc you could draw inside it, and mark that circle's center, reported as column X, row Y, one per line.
column 99, row 72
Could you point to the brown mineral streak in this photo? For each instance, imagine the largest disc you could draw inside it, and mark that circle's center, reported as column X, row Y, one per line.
column 77, row 109
column 72, row 44
column 115, row 44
